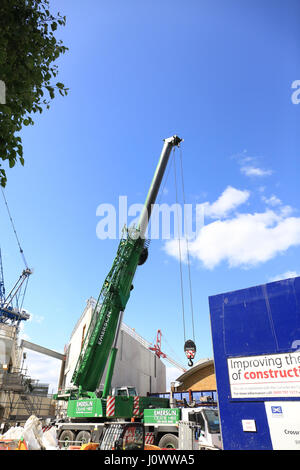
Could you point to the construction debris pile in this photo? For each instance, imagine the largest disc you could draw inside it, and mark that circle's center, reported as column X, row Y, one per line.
column 29, row 437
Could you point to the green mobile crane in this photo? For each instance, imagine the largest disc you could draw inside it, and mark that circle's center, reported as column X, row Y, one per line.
column 100, row 344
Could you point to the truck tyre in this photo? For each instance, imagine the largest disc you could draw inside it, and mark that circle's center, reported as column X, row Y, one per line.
column 66, row 436
column 168, row 441
column 83, row 437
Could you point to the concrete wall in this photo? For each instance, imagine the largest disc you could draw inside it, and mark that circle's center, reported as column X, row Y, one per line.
column 77, row 336
column 9, row 350
column 138, row 366
column 135, row 364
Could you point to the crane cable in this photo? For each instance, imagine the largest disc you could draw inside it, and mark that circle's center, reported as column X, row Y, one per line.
column 189, row 347
column 187, row 247
column 179, row 249
column 174, row 354
column 14, row 229
column 27, row 271
column 20, row 306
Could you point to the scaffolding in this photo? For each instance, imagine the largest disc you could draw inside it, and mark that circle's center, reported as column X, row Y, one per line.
column 21, row 397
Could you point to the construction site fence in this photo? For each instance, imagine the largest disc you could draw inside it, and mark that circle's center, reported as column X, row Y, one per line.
column 199, row 396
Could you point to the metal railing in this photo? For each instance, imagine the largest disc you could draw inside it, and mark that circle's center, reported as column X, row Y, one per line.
column 135, row 335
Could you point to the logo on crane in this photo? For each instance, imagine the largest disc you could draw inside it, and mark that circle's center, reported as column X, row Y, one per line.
column 104, row 328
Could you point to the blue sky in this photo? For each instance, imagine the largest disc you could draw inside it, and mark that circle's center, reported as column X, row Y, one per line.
column 217, row 73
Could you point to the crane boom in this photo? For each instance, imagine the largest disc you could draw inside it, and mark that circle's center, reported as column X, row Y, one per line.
column 7, row 311
column 17, row 287
column 100, row 340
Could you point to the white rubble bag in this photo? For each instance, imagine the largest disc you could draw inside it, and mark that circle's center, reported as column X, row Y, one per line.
column 50, row 441
column 15, row 433
column 33, row 434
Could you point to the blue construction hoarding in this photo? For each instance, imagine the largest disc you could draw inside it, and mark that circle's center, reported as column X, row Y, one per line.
column 256, row 343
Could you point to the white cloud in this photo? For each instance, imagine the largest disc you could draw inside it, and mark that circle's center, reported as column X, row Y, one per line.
column 229, row 200
column 24, row 336
column 272, row 201
column 43, row 368
column 171, row 375
column 39, row 319
column 171, row 247
column 285, row 211
column 286, row 275
column 250, row 165
column 255, row 171
column 36, row 318
column 243, row 240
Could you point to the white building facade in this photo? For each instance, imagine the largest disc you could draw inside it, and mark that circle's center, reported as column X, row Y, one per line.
column 135, row 365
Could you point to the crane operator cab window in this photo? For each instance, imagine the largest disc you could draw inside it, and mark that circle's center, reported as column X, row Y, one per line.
column 124, row 392
column 212, row 417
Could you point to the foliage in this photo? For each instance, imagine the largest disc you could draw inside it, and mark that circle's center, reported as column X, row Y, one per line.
column 28, row 50
column 28, row 384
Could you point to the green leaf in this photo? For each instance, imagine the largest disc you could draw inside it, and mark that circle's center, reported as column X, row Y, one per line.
column 27, row 68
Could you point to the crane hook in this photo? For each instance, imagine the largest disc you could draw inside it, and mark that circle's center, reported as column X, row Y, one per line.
column 190, row 351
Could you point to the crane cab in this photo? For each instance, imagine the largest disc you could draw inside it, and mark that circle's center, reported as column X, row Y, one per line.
column 125, row 391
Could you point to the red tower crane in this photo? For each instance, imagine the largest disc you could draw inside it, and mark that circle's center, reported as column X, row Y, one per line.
column 157, row 350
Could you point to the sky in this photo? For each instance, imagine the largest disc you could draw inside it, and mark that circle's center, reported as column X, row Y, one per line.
column 224, row 76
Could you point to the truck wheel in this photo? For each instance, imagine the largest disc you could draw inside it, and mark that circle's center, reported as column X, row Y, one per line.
column 83, row 437
column 169, row 441
column 66, row 437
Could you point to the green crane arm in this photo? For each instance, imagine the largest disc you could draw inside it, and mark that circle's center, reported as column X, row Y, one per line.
column 115, row 293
